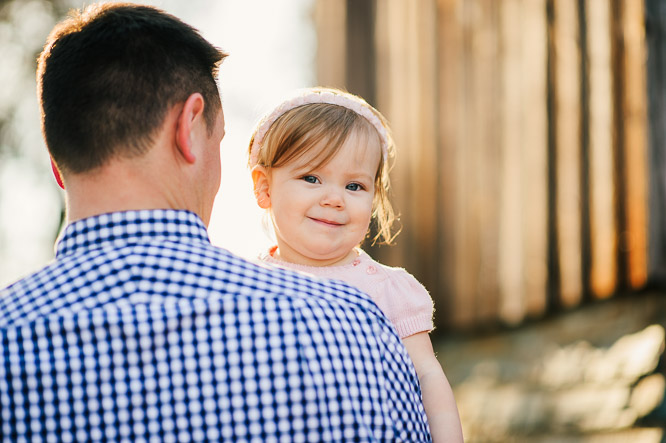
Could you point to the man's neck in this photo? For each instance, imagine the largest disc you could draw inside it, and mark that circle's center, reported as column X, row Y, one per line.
column 118, row 186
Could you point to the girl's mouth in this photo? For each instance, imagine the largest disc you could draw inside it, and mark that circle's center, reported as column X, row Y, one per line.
column 325, row 222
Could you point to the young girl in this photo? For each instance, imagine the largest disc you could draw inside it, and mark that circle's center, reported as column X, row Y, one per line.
column 320, row 165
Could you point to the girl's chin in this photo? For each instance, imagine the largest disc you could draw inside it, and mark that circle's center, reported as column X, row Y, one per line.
column 329, row 258
column 318, row 254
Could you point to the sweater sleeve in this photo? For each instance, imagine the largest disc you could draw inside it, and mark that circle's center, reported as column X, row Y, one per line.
column 406, row 303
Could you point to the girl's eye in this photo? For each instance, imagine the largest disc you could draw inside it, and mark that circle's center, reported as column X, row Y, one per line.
column 310, row 178
column 354, row 187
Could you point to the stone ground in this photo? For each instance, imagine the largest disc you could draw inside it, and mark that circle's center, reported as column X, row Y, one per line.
column 595, row 374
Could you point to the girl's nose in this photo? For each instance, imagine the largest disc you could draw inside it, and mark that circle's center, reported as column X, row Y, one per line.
column 333, row 198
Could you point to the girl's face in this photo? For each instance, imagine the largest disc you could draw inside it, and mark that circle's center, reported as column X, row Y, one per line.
column 320, row 215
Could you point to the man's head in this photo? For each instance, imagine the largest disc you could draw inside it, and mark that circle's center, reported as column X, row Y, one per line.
column 109, row 75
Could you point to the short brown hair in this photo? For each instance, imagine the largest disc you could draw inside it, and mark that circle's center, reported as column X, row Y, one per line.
column 108, row 75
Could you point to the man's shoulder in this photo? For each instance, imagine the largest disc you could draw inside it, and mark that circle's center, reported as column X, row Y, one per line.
column 254, row 279
column 178, row 272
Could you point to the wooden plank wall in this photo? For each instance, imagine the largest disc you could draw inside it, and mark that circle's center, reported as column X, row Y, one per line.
column 521, row 125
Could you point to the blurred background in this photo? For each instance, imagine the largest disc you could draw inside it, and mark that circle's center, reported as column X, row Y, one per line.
column 530, row 181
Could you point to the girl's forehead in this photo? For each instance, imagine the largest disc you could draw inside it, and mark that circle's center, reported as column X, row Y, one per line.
column 363, row 143
column 359, row 144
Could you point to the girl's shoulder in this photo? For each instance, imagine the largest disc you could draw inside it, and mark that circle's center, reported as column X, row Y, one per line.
column 401, row 276
column 363, row 272
column 404, row 300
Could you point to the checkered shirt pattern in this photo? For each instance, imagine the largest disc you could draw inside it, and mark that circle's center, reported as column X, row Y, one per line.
column 141, row 330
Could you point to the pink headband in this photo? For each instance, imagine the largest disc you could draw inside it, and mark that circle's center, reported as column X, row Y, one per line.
column 319, row 95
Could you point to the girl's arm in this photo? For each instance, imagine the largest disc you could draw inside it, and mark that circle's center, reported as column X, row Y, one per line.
column 440, row 406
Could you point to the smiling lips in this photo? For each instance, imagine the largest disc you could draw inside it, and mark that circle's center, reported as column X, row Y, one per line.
column 325, row 222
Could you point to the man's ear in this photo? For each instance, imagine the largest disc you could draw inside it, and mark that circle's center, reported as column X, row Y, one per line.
column 262, row 189
column 57, row 174
column 190, row 116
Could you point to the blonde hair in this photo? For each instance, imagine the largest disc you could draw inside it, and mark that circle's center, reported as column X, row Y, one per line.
column 280, row 139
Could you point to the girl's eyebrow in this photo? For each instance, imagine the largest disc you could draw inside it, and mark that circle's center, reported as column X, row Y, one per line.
column 302, row 169
column 357, row 175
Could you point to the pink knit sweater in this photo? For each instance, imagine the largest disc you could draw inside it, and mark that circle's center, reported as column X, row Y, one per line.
column 398, row 294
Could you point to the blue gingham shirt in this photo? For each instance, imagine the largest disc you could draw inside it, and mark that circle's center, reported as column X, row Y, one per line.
column 141, row 330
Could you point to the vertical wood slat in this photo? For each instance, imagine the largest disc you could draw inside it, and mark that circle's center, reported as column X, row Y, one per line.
column 603, row 231
column 389, row 73
column 473, row 206
column 535, row 155
column 360, row 49
column 392, row 73
column 466, row 252
column 425, row 213
column 405, row 36
column 331, row 62
column 512, row 260
column 617, row 60
column 483, row 173
column 458, row 310
column 635, row 143
column 568, row 150
column 523, row 245
column 477, row 175
column 656, row 73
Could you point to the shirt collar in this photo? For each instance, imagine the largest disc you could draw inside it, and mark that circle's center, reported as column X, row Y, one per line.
column 117, row 228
